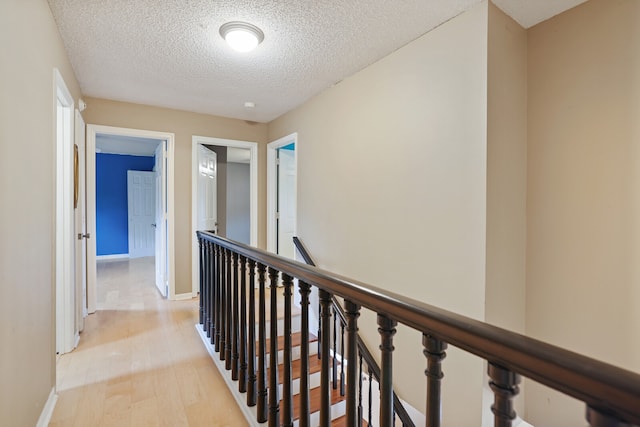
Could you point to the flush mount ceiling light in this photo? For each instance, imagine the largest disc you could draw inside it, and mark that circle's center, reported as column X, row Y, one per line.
column 241, row 36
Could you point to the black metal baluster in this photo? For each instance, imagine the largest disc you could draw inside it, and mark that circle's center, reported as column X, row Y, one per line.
column 216, row 292
column 287, row 386
column 203, row 295
column 251, row 341
column 386, row 328
column 304, row 415
column 201, row 290
column 262, row 347
column 341, row 358
column 370, row 395
column 360, row 413
column 222, row 295
column 208, row 286
column 242, row 383
column 235, row 321
column 504, row 384
column 319, row 330
column 335, row 351
column 209, row 302
column 325, row 328
column 434, row 350
column 228, row 312
column 274, row 398
column 352, row 313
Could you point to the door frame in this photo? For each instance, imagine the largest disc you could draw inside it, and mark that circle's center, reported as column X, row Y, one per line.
column 253, row 195
column 81, row 223
column 65, row 301
column 272, row 193
column 92, row 131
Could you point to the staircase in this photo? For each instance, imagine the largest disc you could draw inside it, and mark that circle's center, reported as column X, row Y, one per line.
column 231, row 274
column 338, row 399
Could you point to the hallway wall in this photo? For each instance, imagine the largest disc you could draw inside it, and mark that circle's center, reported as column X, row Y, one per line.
column 583, row 275
column 31, row 47
column 184, row 125
column 392, row 189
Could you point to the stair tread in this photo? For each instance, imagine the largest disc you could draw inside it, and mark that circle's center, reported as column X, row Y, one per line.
column 314, row 400
column 315, row 365
column 342, row 422
column 296, row 340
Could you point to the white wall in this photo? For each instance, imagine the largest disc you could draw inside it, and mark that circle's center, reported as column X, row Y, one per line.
column 30, row 48
column 392, row 189
column 238, row 202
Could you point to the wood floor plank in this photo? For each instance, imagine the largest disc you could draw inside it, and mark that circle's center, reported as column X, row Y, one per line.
column 140, row 361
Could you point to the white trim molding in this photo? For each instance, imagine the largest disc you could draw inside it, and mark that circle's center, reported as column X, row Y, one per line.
column 47, row 410
column 272, row 170
column 92, row 131
column 111, row 257
column 253, row 195
column 65, row 301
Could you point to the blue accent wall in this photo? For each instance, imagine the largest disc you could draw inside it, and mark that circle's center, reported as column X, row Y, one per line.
column 111, row 200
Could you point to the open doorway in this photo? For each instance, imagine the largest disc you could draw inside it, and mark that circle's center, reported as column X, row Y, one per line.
column 224, row 192
column 281, row 195
column 130, row 204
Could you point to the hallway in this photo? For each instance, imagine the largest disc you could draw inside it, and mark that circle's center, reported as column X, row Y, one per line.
column 140, row 361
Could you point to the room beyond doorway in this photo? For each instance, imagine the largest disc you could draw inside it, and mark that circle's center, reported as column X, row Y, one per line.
column 114, row 152
column 233, row 210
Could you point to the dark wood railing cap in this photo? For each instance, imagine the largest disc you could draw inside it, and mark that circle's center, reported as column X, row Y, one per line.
column 596, row 383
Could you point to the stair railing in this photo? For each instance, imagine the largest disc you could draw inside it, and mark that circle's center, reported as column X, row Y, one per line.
column 611, row 394
column 361, row 350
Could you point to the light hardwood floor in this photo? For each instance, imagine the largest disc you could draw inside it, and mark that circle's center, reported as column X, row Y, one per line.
column 140, row 361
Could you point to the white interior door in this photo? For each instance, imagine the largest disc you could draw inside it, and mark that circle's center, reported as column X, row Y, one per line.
column 286, row 198
column 161, row 218
column 142, row 216
column 80, row 225
column 207, row 190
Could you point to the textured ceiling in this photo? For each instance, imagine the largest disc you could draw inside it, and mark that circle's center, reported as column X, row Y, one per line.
column 168, row 52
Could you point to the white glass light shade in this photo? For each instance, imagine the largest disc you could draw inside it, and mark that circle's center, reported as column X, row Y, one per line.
column 241, row 36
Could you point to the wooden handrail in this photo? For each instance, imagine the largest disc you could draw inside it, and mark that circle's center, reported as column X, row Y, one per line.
column 608, row 389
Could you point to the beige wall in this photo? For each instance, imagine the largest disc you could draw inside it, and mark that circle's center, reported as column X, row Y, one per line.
column 184, row 125
column 391, row 189
column 30, row 49
column 505, row 303
column 583, row 288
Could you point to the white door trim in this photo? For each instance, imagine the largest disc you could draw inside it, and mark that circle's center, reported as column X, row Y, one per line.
column 64, row 250
column 92, row 131
column 272, row 170
column 253, row 179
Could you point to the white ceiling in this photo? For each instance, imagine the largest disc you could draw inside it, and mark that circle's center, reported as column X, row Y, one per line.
column 134, row 146
column 168, row 52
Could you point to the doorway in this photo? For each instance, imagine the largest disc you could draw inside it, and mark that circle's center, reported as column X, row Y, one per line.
column 281, row 195
column 156, row 151
column 236, row 186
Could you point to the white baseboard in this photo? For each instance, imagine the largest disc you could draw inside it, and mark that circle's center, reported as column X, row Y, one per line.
column 111, row 257
column 181, row 297
column 47, row 411
column 250, row 412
